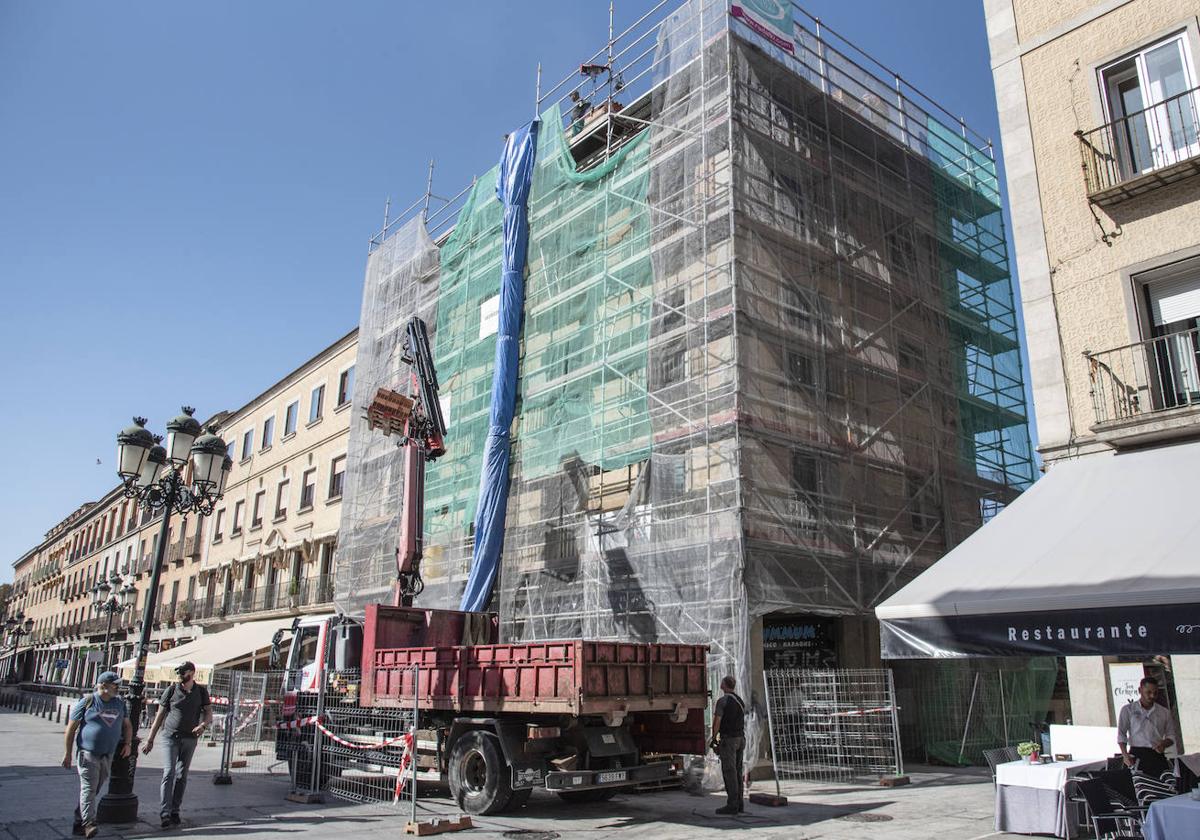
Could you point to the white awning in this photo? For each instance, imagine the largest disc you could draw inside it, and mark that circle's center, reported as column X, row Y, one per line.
column 210, row 652
column 1103, row 539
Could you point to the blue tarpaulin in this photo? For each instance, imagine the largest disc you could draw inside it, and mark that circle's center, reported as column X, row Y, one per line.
column 512, row 188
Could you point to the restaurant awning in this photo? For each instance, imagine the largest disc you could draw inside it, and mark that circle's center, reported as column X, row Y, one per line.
column 209, row 652
column 1101, row 556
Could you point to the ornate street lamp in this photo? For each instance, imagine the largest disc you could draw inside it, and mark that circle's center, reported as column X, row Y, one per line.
column 113, row 596
column 17, row 626
column 159, row 478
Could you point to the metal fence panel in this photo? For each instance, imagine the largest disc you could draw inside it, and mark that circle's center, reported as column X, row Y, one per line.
column 833, row 725
column 246, row 709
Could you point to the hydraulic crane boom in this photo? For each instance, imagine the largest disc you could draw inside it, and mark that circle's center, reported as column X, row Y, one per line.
column 424, row 440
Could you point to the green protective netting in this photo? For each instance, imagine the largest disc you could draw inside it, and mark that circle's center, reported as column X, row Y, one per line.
column 581, row 391
column 587, row 310
column 993, row 703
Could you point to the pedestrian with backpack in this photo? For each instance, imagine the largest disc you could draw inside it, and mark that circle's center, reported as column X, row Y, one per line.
column 728, row 742
column 97, row 727
column 184, row 712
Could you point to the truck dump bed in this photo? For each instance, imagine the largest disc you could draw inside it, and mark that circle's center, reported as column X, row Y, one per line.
column 574, row 676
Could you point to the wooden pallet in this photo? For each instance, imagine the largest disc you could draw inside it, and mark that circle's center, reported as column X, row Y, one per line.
column 424, row 828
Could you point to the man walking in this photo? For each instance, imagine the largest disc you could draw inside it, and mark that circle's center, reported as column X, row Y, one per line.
column 98, row 723
column 1145, row 730
column 180, row 709
column 729, row 741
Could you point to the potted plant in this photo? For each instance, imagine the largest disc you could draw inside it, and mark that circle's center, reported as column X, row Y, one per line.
column 1028, row 750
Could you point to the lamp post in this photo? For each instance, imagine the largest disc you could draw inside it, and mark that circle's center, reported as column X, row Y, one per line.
column 17, row 626
column 186, row 476
column 112, row 596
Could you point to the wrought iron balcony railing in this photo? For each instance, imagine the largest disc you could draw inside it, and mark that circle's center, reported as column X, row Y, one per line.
column 1158, row 374
column 1143, row 150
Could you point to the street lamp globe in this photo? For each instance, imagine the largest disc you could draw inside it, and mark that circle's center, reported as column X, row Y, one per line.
column 28, row 625
column 226, row 469
column 182, row 432
column 208, row 460
column 155, row 461
column 128, row 596
column 133, row 446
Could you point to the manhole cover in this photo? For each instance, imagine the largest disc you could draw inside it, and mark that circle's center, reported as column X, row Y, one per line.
column 529, row 834
column 866, row 818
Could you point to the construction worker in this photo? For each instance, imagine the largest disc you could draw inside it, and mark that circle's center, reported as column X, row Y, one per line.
column 579, row 110
column 729, row 742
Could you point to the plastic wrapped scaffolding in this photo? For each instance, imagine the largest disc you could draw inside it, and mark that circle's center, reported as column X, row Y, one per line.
column 769, row 359
column 401, row 281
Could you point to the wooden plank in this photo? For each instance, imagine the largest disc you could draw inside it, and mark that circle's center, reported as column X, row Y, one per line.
column 425, row 828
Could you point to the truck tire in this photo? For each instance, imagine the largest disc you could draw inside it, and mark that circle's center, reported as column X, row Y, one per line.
column 479, row 775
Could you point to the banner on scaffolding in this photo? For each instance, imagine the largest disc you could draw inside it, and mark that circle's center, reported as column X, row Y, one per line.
column 772, row 19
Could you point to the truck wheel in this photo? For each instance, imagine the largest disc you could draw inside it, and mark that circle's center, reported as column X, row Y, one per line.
column 479, row 775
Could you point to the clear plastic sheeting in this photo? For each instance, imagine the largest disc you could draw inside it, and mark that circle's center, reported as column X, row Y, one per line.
column 769, row 360
column 401, row 281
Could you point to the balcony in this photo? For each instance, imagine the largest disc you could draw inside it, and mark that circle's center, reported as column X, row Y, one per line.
column 1143, row 151
column 1147, row 391
column 261, row 601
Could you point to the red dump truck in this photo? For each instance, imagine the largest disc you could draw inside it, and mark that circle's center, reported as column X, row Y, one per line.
column 582, row 718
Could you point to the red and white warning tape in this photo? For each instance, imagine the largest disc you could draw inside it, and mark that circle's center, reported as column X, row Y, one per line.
column 859, row 712
column 406, row 766
column 354, row 746
column 297, row 723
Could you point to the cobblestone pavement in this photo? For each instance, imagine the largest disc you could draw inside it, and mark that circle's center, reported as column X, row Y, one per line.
column 37, row 795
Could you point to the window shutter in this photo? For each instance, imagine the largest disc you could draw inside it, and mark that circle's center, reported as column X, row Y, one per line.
column 1176, row 297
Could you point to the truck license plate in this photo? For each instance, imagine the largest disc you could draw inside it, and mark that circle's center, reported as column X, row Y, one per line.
column 611, row 776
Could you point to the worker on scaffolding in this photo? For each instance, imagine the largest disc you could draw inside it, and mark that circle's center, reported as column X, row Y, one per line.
column 579, row 110
column 729, row 742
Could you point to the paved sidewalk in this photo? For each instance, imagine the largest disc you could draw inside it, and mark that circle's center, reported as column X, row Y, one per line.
column 37, row 795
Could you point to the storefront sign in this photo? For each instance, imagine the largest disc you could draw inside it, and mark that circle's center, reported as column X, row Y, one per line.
column 1169, row 628
column 799, row 642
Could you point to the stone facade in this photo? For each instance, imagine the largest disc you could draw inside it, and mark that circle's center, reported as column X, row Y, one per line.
column 268, row 549
column 1086, row 250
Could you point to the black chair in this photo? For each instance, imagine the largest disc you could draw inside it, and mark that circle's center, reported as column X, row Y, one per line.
column 1000, row 755
column 1185, row 779
column 1109, row 821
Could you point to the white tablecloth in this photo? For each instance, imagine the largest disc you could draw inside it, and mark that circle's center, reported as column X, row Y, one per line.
column 1051, row 776
column 1177, row 818
column 1030, row 797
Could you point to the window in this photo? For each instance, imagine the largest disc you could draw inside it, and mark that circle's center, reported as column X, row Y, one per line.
column 337, row 476
column 289, row 418
column 256, row 516
column 218, row 525
column 268, row 436
column 345, row 386
column 315, row 405
column 802, row 370
column 281, row 499
column 1151, row 104
column 1173, row 306
column 670, row 365
column 237, row 519
column 308, row 488
column 247, row 444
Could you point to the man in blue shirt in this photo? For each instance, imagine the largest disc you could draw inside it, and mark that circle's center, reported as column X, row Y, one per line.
column 97, row 727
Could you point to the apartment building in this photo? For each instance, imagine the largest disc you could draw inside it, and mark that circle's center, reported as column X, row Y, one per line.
column 268, row 548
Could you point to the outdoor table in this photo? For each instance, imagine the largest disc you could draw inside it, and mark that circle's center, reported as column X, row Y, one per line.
column 1030, row 798
column 1177, row 818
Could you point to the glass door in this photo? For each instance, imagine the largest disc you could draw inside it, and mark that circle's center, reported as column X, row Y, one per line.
column 1152, row 107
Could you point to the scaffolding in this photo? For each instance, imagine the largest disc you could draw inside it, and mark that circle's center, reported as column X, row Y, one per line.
column 769, row 360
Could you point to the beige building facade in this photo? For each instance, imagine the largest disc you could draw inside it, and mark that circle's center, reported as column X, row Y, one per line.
column 1099, row 106
column 265, row 552
column 268, row 547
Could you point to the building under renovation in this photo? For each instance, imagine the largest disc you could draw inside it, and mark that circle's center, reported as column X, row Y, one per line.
column 769, row 366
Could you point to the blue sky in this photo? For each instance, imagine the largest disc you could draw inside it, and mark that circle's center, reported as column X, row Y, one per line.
column 188, row 188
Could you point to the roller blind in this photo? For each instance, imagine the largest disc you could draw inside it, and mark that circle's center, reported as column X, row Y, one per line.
column 1175, row 296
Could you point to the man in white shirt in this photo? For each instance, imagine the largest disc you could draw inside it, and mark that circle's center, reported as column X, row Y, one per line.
column 1144, row 730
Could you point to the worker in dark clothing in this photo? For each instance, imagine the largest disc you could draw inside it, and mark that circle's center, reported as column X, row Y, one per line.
column 729, row 742
column 579, row 110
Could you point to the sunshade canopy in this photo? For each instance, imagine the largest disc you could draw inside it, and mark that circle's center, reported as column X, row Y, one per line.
column 210, row 651
column 1101, row 556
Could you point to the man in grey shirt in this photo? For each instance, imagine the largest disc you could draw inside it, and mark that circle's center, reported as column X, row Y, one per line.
column 180, row 709
column 1145, row 730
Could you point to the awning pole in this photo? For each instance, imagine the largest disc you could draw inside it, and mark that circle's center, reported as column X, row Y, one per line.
column 966, row 726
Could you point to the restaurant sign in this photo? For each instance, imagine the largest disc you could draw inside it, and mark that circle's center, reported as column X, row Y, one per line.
column 1168, row 628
